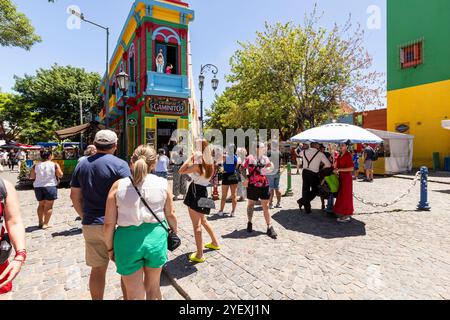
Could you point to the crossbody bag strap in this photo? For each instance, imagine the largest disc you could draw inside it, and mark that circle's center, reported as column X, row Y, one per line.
column 147, row 206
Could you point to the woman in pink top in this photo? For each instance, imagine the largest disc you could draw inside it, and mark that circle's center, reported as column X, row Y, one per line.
column 258, row 187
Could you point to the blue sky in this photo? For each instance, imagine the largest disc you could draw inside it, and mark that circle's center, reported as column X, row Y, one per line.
column 214, row 33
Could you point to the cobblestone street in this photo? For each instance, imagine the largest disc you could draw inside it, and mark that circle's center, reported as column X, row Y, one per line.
column 393, row 253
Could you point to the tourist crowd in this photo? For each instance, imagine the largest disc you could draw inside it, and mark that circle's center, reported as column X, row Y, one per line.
column 127, row 212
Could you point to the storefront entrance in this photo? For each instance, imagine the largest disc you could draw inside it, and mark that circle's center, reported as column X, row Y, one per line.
column 165, row 128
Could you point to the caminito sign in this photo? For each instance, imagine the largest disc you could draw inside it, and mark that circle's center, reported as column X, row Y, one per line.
column 167, row 106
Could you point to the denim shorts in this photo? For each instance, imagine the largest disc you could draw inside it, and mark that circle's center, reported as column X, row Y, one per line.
column 274, row 181
column 46, row 193
column 162, row 174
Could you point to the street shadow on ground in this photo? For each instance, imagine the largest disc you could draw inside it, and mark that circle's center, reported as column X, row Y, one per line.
column 319, row 224
column 68, row 233
column 180, row 267
column 32, row 229
column 217, row 217
column 442, row 191
column 243, row 234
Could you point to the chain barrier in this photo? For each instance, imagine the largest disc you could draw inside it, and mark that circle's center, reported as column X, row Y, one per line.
column 388, row 204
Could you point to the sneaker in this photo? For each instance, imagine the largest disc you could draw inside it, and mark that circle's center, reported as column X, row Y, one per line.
column 271, row 232
column 249, row 227
column 270, row 206
column 278, row 205
column 221, row 213
column 344, row 219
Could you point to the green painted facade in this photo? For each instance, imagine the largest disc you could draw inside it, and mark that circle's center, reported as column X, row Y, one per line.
column 409, row 21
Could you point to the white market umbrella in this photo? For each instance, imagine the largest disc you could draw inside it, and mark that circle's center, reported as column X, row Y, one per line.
column 337, row 133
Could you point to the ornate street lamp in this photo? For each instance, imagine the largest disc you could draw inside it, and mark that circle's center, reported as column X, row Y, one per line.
column 123, row 82
column 201, row 84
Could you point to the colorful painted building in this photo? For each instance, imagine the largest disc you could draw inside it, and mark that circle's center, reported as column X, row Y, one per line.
column 371, row 119
column 419, row 74
column 153, row 49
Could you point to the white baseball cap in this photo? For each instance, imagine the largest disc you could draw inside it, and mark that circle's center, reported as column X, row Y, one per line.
column 105, row 137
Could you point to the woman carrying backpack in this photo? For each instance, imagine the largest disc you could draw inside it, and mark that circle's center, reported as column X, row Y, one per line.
column 13, row 225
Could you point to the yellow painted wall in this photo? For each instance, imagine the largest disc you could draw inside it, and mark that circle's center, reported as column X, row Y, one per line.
column 423, row 107
column 166, row 15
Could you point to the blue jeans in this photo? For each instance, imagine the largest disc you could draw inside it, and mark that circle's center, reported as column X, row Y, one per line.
column 161, row 174
column 274, row 181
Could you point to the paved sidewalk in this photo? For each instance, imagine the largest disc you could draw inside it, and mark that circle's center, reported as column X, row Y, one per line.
column 383, row 254
column 55, row 269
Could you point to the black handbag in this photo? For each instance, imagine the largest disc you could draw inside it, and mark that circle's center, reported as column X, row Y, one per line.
column 173, row 241
column 5, row 243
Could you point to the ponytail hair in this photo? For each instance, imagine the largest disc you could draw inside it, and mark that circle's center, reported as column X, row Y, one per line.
column 143, row 159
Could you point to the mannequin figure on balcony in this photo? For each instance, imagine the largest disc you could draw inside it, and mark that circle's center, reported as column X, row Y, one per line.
column 160, row 62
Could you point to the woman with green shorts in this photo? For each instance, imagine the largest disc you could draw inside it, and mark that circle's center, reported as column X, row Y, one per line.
column 139, row 244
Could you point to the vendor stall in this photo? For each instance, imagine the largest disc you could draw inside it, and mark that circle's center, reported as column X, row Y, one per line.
column 395, row 153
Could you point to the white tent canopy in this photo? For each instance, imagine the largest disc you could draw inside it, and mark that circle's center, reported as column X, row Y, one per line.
column 337, row 133
column 398, row 149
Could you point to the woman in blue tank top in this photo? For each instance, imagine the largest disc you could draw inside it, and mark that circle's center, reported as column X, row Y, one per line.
column 230, row 180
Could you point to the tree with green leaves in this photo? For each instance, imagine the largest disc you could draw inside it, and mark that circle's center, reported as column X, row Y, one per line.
column 55, row 93
column 295, row 77
column 19, row 123
column 15, row 28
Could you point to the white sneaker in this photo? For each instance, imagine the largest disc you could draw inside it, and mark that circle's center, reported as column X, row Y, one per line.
column 344, row 219
column 271, row 206
column 221, row 213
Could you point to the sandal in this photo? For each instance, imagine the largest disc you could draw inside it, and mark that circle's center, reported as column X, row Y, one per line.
column 212, row 247
column 193, row 258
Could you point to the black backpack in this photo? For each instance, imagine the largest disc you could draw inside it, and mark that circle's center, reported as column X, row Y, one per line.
column 375, row 155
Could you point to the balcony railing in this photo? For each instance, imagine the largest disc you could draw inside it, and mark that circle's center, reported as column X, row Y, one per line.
column 167, row 85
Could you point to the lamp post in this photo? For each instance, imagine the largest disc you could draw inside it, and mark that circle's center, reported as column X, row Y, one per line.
column 107, row 93
column 201, row 84
column 123, row 82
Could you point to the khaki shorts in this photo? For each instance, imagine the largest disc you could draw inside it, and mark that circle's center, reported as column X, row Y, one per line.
column 368, row 165
column 96, row 251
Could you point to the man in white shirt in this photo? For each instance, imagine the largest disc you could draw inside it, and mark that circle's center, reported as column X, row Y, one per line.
column 312, row 158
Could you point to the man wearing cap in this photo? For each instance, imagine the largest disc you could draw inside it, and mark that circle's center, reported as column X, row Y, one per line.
column 90, row 184
column 312, row 159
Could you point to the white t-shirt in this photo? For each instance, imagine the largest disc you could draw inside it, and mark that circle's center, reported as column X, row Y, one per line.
column 131, row 210
column 162, row 164
column 21, row 155
column 45, row 175
column 312, row 158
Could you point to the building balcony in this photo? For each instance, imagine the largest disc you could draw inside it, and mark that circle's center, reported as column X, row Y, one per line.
column 167, row 85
